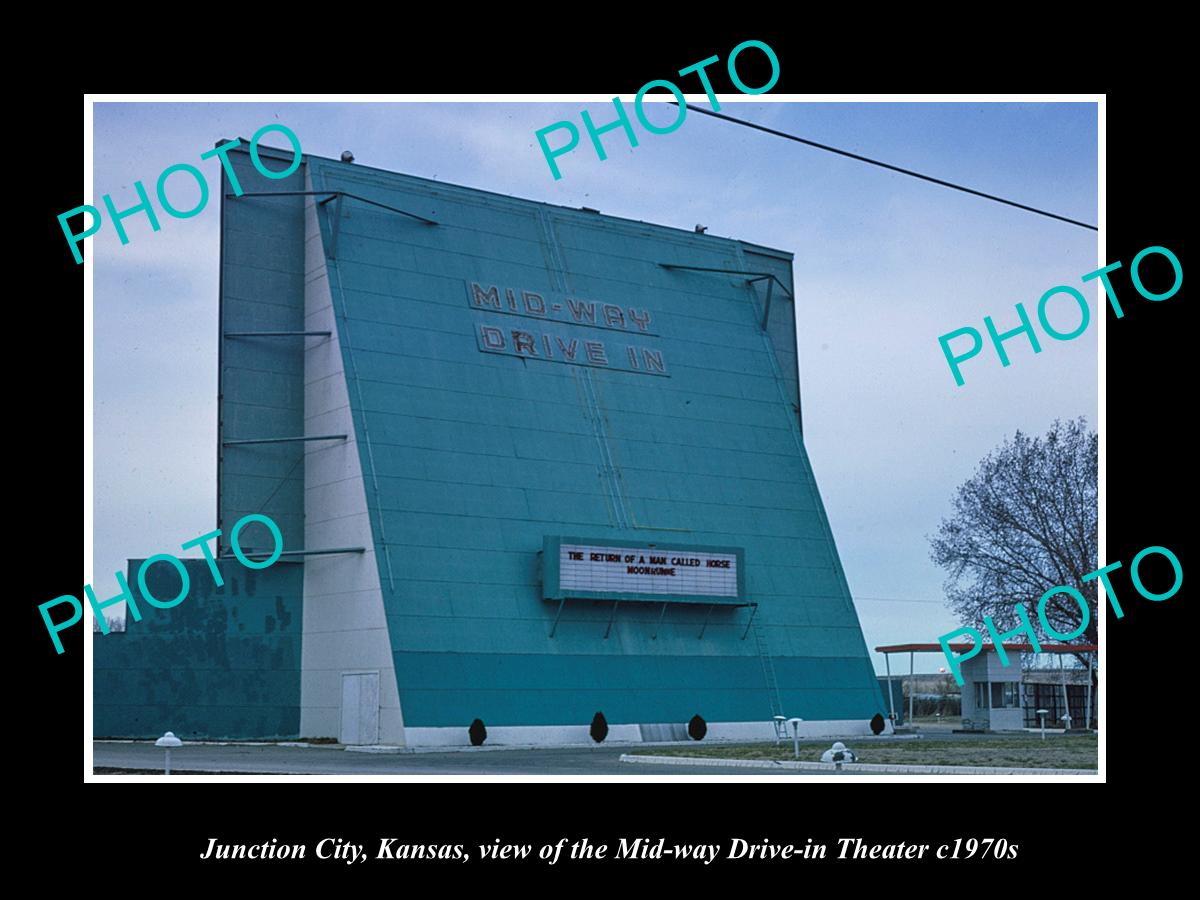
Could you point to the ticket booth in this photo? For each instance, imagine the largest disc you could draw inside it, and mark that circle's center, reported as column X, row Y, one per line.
column 991, row 693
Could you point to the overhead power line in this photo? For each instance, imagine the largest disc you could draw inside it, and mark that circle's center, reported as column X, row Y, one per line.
column 896, row 600
column 889, row 166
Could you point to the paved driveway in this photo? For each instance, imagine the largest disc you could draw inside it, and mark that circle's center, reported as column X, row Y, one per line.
column 335, row 761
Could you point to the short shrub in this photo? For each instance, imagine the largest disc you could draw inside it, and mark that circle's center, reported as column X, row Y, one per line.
column 477, row 733
column 599, row 729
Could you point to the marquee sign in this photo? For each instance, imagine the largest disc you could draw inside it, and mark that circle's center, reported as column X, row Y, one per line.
column 586, row 568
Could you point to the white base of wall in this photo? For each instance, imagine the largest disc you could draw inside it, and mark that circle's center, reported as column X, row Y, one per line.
column 558, row 735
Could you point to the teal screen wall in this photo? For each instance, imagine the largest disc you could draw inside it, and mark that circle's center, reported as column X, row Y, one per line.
column 471, row 458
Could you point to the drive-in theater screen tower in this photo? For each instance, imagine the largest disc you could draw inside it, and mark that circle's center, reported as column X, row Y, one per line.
column 530, row 463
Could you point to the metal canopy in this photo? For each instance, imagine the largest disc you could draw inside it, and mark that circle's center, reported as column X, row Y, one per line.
column 963, row 646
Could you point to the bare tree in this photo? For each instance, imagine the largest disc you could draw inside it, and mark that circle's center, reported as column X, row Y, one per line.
column 1024, row 523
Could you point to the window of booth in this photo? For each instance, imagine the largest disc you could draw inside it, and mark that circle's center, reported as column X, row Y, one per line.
column 981, row 695
column 1006, row 694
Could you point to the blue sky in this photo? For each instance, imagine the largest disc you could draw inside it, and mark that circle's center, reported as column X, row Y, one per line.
column 884, row 265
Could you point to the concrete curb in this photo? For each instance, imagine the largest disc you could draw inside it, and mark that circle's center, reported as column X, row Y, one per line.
column 864, row 768
column 491, row 748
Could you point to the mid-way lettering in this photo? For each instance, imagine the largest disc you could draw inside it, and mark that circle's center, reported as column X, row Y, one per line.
column 558, row 308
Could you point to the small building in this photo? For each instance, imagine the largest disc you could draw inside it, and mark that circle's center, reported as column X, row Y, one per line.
column 998, row 697
column 991, row 694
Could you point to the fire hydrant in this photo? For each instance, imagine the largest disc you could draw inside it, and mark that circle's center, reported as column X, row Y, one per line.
column 838, row 754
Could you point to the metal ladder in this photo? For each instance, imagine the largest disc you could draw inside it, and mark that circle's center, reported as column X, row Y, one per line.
column 768, row 667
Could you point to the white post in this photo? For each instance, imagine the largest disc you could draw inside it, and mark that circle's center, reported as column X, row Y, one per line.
column 1066, row 699
column 167, row 741
column 911, row 687
column 887, row 661
column 795, row 723
column 1088, row 725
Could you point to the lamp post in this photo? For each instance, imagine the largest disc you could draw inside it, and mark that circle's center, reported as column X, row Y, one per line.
column 167, row 742
column 795, row 723
column 1042, row 713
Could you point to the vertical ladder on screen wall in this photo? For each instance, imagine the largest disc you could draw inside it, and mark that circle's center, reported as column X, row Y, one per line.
column 768, row 667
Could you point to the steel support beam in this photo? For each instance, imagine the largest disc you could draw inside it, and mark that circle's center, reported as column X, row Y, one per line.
column 286, row 440
column 658, row 624
column 554, row 627
column 1088, row 713
column 767, row 305
column 328, row 195
column 611, row 618
column 335, row 227
column 753, row 613
column 263, row 554
column 1066, row 697
column 912, row 685
column 243, row 334
column 887, row 662
column 750, row 276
